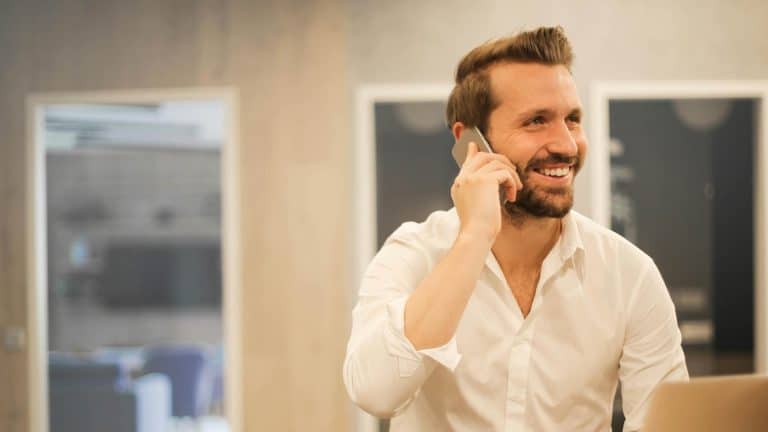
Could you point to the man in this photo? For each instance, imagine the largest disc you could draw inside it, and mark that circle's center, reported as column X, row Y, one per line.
column 519, row 314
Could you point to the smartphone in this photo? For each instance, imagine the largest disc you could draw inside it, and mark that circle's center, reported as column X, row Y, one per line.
column 461, row 146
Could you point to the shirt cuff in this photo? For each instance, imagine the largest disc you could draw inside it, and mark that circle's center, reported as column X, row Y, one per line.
column 409, row 358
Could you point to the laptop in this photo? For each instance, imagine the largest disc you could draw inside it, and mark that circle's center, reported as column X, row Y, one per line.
column 736, row 403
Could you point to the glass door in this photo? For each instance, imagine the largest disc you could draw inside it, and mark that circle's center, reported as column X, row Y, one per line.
column 133, row 234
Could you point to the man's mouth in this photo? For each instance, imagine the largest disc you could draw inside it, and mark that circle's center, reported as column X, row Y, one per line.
column 554, row 172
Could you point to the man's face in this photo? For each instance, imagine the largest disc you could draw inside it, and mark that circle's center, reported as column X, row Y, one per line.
column 537, row 125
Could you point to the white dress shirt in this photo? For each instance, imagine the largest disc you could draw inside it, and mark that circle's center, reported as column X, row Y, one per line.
column 601, row 313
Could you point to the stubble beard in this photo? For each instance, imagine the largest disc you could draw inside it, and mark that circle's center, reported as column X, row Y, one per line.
column 540, row 202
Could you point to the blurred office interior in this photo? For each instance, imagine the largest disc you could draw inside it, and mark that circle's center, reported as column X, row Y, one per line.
column 134, row 296
column 133, row 228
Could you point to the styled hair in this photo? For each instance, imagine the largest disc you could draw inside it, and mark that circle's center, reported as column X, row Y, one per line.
column 471, row 101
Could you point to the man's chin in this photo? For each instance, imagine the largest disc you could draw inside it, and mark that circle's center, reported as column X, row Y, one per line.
column 538, row 204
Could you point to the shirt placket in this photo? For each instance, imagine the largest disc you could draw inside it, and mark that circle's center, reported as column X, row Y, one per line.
column 520, row 355
column 520, row 351
column 517, row 380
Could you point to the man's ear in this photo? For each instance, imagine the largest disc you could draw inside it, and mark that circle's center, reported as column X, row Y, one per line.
column 457, row 129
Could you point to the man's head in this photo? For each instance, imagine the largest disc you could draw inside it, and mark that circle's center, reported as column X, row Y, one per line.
column 519, row 92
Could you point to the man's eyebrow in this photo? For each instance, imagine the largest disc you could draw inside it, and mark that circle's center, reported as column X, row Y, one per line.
column 525, row 115
column 545, row 112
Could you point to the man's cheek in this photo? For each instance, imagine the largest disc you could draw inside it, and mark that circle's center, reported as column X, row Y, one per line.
column 582, row 149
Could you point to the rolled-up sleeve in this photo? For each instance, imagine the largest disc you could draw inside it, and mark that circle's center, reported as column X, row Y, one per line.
column 652, row 350
column 383, row 372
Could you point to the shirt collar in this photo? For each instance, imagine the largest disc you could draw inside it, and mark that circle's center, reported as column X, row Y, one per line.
column 566, row 260
column 571, row 248
column 570, row 239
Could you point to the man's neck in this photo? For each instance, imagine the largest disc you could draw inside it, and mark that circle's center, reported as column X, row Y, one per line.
column 523, row 244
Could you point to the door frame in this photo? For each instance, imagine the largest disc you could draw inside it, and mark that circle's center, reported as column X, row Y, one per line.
column 37, row 302
column 602, row 92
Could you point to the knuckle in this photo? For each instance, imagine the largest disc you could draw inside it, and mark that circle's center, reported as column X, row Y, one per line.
column 499, row 157
column 484, row 156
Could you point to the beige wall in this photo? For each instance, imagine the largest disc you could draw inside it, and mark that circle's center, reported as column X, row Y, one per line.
column 288, row 61
column 406, row 42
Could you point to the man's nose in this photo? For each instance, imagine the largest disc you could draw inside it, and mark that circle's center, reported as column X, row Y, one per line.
column 562, row 140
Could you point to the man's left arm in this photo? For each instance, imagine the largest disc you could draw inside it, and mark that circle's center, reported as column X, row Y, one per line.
column 652, row 350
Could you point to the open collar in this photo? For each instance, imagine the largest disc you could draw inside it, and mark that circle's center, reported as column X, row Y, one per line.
column 567, row 251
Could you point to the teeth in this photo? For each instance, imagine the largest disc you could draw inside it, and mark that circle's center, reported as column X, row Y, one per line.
column 557, row 172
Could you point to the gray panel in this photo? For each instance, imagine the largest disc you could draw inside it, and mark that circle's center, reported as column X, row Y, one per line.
column 414, row 167
column 682, row 190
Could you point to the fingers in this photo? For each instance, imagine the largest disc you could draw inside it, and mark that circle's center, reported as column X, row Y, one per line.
column 496, row 165
column 475, row 159
column 484, row 162
column 471, row 152
column 507, row 180
column 480, row 166
column 496, row 174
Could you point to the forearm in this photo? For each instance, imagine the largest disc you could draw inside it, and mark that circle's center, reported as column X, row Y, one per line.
column 433, row 310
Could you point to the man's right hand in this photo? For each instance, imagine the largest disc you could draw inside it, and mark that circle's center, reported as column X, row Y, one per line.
column 475, row 192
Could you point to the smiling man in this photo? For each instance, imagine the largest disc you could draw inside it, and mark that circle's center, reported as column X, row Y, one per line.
column 516, row 314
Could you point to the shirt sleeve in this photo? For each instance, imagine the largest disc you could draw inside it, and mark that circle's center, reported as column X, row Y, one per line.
column 383, row 372
column 652, row 350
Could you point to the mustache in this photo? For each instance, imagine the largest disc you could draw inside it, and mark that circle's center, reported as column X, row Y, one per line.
column 555, row 158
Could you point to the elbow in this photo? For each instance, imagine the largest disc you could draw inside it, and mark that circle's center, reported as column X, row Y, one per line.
column 377, row 407
column 372, row 395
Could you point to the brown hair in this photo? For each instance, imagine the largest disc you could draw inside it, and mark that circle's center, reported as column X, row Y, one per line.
column 471, row 101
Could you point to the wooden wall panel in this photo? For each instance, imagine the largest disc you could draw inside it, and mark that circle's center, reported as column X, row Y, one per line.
column 288, row 61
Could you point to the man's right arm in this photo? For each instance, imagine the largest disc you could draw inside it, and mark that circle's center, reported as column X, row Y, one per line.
column 408, row 312
column 400, row 334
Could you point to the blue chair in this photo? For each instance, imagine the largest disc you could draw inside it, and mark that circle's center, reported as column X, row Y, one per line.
column 90, row 396
column 190, row 376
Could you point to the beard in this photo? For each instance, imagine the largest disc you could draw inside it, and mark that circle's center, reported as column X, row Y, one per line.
column 542, row 202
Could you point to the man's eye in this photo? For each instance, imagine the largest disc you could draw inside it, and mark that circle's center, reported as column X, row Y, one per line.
column 538, row 120
column 574, row 119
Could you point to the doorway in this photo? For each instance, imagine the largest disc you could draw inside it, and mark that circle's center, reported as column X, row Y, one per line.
column 134, row 311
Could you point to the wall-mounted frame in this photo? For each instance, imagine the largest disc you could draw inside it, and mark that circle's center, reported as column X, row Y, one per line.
column 36, row 237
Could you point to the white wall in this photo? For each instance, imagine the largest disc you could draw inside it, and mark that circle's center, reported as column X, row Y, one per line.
column 406, row 41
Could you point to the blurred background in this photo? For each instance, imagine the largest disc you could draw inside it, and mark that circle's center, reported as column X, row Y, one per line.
column 139, row 319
